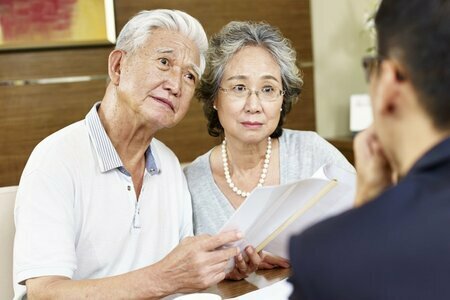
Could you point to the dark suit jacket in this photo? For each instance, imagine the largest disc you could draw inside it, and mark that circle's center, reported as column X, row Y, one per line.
column 395, row 247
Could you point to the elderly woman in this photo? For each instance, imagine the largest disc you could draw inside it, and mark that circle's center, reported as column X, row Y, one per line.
column 249, row 86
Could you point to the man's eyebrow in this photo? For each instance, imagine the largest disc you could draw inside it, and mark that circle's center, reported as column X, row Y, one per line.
column 195, row 68
column 164, row 50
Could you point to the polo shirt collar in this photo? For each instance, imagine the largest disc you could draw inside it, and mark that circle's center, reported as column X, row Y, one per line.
column 107, row 155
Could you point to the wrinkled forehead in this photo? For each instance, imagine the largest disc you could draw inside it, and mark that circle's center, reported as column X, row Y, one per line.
column 173, row 44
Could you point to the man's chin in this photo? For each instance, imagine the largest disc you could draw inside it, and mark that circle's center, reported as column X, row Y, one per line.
column 167, row 124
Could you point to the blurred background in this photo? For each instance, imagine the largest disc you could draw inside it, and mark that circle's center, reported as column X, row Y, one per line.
column 53, row 65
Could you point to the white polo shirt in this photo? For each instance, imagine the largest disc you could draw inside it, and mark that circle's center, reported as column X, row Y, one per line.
column 77, row 214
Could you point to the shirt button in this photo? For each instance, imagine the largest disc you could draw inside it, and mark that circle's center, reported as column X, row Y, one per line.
column 129, row 188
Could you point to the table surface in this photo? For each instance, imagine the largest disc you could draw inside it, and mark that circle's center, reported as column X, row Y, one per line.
column 230, row 288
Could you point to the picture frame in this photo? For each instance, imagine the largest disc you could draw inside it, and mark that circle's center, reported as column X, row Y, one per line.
column 32, row 24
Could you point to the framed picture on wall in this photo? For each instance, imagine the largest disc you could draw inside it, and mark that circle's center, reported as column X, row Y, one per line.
column 26, row 24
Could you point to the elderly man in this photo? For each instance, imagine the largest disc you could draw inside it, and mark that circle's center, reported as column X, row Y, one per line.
column 396, row 246
column 102, row 206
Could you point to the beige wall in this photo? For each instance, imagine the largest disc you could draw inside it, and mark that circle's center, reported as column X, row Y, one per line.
column 339, row 42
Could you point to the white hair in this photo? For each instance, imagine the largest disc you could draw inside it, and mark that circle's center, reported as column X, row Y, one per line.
column 139, row 28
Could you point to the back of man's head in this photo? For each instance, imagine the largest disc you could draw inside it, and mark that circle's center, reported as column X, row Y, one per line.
column 417, row 33
column 138, row 29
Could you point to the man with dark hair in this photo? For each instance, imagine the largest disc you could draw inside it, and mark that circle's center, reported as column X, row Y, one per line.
column 396, row 244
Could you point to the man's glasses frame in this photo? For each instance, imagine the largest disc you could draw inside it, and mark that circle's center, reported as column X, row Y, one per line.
column 372, row 62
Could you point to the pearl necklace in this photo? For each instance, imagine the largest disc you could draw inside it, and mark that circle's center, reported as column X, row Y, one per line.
column 226, row 170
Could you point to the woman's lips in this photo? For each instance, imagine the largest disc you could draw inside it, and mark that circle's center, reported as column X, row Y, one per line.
column 249, row 124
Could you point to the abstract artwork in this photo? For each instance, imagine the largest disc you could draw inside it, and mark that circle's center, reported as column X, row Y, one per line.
column 55, row 23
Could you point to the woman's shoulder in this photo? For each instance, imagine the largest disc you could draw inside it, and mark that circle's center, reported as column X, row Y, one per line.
column 298, row 140
column 197, row 167
column 300, row 137
column 311, row 150
column 297, row 134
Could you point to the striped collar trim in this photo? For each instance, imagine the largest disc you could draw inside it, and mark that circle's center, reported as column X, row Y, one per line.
column 106, row 153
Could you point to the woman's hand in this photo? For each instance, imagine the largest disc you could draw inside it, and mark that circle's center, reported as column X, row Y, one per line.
column 271, row 261
column 244, row 266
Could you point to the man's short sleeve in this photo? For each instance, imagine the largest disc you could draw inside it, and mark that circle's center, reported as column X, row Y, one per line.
column 45, row 236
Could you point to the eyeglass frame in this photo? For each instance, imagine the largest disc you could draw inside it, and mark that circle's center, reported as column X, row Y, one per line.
column 372, row 62
column 250, row 92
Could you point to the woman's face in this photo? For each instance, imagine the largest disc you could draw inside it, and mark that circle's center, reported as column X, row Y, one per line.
column 250, row 118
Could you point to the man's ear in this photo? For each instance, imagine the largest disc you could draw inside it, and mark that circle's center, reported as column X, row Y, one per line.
column 389, row 88
column 114, row 65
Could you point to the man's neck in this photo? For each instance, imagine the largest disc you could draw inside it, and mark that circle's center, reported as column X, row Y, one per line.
column 128, row 136
column 414, row 143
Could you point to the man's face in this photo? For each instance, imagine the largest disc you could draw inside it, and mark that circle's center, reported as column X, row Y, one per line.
column 383, row 122
column 157, row 81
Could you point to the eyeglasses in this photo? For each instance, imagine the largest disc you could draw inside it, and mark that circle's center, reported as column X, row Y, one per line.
column 266, row 93
column 369, row 64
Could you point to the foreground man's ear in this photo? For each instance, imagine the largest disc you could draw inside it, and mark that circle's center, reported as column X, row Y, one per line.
column 389, row 88
column 115, row 64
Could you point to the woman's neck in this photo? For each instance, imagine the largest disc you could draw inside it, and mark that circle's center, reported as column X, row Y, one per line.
column 245, row 163
column 243, row 157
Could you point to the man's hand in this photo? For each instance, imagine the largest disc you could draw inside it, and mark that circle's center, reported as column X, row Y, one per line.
column 194, row 264
column 374, row 172
column 245, row 265
column 197, row 262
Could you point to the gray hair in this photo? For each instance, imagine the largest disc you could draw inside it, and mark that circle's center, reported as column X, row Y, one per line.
column 139, row 28
column 233, row 37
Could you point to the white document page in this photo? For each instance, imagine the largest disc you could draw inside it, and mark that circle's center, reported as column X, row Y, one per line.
column 267, row 208
column 339, row 199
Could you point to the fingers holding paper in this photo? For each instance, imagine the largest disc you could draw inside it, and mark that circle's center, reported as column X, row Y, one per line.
column 198, row 262
column 245, row 264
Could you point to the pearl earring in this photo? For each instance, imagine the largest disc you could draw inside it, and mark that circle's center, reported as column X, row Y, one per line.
column 281, row 109
column 215, row 107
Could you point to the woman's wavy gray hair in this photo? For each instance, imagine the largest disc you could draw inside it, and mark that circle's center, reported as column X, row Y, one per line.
column 232, row 38
column 138, row 29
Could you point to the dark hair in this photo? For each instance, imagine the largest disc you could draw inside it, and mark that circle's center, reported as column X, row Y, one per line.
column 233, row 37
column 417, row 33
